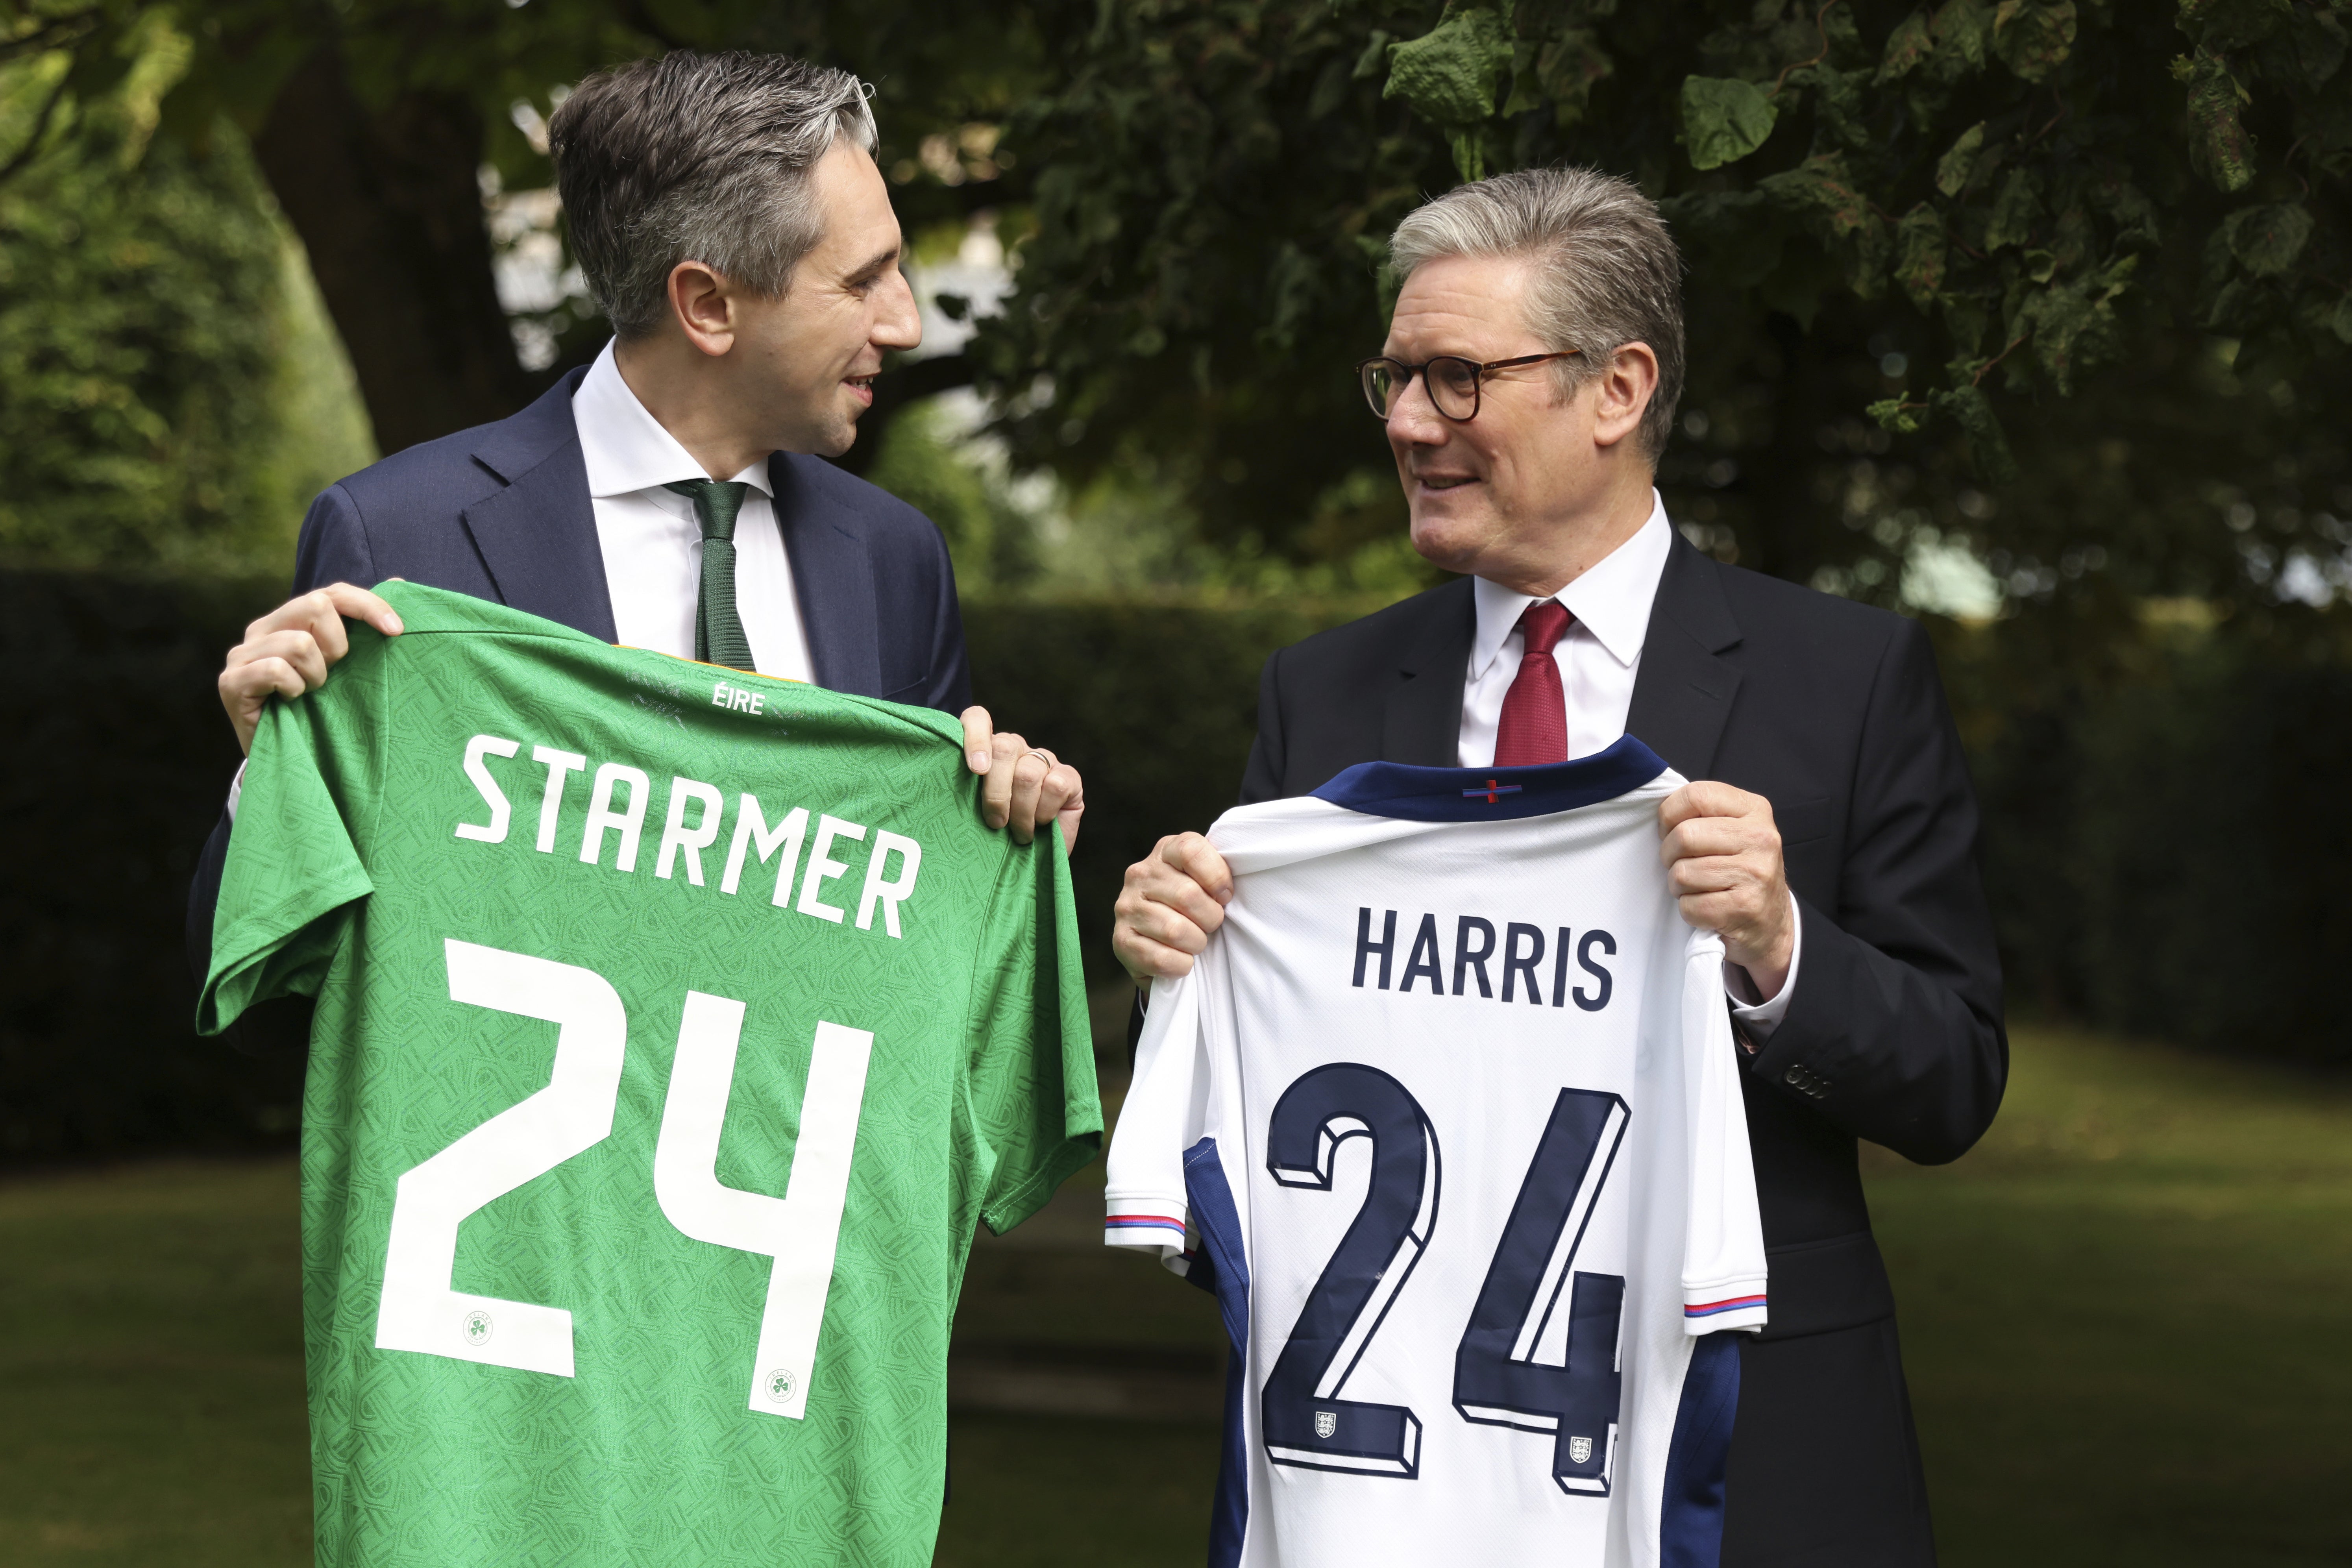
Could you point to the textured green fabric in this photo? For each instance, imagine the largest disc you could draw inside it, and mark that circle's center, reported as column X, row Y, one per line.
column 718, row 637
column 349, row 878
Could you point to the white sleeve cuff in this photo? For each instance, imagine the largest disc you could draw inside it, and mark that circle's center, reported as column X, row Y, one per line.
column 236, row 792
column 1148, row 1221
column 1761, row 1018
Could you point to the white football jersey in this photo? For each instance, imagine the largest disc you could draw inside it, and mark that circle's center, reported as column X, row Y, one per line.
column 1448, row 1116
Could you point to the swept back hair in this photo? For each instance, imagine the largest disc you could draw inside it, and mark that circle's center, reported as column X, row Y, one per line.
column 1607, row 272
column 698, row 157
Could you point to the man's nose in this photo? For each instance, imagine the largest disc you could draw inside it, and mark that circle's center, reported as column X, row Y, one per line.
column 898, row 324
column 1414, row 420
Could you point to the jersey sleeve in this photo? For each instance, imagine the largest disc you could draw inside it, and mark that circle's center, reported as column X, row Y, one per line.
column 294, row 870
column 1723, row 1234
column 1032, row 1095
column 1162, row 1116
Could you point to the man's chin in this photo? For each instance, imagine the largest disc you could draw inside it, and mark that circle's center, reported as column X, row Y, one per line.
column 840, row 439
column 1446, row 536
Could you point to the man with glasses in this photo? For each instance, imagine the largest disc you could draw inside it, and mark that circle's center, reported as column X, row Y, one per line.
column 1527, row 388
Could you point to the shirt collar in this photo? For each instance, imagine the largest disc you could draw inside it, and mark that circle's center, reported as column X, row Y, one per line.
column 1611, row 600
column 625, row 447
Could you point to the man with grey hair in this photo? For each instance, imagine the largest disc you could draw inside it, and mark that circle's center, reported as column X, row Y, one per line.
column 1527, row 388
column 729, row 218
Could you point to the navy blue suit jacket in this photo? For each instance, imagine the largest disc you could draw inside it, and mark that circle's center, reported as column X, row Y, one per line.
column 502, row 511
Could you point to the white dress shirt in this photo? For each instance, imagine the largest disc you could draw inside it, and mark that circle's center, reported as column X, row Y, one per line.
column 1598, row 658
column 652, row 545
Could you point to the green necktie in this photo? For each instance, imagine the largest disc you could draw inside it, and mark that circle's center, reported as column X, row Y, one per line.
column 717, row 631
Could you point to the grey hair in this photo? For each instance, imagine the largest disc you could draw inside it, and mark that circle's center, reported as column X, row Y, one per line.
column 698, row 157
column 1607, row 272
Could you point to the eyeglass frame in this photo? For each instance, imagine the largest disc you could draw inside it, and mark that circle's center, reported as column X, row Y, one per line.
column 1477, row 387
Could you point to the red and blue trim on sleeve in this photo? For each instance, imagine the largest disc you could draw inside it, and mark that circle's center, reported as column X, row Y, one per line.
column 1144, row 1222
column 1728, row 1304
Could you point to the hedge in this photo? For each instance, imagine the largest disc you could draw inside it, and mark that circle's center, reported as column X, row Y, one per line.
column 2164, row 851
column 2167, row 854
column 120, row 761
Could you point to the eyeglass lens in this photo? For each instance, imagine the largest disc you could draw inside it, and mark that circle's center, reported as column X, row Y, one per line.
column 1453, row 386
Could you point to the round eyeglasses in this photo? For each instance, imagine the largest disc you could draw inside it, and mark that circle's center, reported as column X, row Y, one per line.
column 1454, row 383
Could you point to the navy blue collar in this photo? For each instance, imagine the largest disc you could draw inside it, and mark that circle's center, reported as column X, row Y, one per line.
column 1487, row 794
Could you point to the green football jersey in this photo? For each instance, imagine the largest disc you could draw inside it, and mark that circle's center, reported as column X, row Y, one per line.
column 674, row 1027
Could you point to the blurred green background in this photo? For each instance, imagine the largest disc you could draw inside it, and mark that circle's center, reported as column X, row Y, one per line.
column 2031, row 320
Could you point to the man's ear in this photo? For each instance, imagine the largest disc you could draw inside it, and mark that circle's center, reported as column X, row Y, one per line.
column 1621, row 395
column 702, row 303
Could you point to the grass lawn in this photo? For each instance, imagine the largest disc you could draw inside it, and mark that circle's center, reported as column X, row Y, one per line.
column 2123, row 1316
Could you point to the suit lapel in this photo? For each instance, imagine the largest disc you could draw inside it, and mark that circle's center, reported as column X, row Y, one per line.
column 1422, row 723
column 1683, row 694
column 537, row 536
column 833, row 579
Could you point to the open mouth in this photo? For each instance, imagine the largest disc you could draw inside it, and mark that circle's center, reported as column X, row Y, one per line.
column 860, row 388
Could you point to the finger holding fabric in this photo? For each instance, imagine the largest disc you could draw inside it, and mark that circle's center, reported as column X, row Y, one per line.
column 1173, row 899
column 290, row 651
column 1722, row 853
column 1025, row 786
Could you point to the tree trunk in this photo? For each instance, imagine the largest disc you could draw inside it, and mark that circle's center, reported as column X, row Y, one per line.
column 387, row 203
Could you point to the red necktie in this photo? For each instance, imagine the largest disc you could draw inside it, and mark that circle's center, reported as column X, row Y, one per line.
column 1534, row 727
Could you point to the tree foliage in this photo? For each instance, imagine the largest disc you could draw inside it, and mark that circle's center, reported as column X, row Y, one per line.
column 140, row 328
column 372, row 122
column 2066, row 279
column 2063, row 280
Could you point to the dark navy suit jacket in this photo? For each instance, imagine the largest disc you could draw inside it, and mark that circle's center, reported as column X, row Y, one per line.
column 501, row 511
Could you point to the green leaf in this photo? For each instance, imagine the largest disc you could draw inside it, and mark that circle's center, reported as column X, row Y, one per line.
column 1527, row 90
column 2014, row 211
column 2128, row 208
column 2235, row 310
column 2220, row 144
column 2032, row 36
column 1823, row 189
column 1823, row 192
column 1723, row 120
column 1838, row 104
column 1988, row 446
column 1910, row 43
column 1961, row 28
column 1447, row 76
column 2071, row 329
column 2267, row 239
column 1894, row 414
column 1919, row 253
column 1569, row 68
column 1965, row 319
column 2341, row 322
column 2221, row 24
column 2316, row 39
column 1952, row 169
column 1469, row 149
